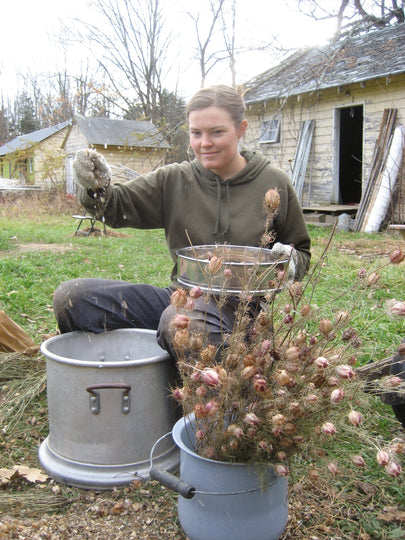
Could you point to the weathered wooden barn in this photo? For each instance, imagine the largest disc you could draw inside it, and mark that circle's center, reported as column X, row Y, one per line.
column 130, row 147
column 35, row 158
column 326, row 115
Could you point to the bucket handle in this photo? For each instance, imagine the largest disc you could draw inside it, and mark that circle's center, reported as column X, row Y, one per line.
column 167, row 479
column 94, row 399
column 188, row 491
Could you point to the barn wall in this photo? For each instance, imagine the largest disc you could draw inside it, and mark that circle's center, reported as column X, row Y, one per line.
column 121, row 158
column 49, row 160
column 375, row 96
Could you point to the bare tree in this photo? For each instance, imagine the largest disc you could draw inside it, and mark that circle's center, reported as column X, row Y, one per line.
column 130, row 44
column 355, row 14
column 229, row 33
column 207, row 59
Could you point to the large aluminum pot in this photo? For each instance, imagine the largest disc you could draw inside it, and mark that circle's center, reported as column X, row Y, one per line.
column 108, row 402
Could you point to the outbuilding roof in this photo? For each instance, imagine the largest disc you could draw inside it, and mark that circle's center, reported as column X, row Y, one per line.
column 346, row 60
column 22, row 142
column 111, row 132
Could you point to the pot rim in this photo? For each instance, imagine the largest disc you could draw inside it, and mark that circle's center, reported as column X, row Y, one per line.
column 97, row 363
column 186, row 423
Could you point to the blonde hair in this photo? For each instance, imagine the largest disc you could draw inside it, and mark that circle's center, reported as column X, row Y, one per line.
column 221, row 96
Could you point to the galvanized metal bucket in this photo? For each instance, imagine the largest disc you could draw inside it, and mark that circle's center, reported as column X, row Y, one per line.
column 108, row 402
column 224, row 501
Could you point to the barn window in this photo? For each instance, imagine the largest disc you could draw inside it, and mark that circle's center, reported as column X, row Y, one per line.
column 270, row 131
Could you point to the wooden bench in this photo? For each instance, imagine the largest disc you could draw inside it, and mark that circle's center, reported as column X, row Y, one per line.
column 400, row 228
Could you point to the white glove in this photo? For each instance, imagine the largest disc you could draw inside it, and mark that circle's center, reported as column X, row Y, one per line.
column 284, row 251
column 91, row 169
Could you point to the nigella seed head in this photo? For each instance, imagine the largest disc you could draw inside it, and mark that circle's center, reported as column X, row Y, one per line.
column 383, row 458
column 397, row 256
column 215, row 264
column 393, row 469
column 325, row 326
column 181, row 321
column 271, row 200
column 179, row 298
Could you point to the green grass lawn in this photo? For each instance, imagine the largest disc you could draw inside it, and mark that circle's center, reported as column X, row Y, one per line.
column 38, row 250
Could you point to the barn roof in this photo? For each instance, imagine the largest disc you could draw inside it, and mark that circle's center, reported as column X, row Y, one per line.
column 23, row 142
column 111, row 132
column 346, row 60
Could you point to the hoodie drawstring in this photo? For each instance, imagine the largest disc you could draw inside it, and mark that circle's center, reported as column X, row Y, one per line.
column 217, row 223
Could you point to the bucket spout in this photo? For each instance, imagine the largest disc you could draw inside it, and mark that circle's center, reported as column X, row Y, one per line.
column 172, row 482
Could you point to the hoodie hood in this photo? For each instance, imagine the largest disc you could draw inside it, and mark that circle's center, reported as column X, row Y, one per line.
column 255, row 164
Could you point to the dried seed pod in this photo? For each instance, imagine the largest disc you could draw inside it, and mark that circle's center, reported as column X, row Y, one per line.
column 251, row 419
column 282, row 378
column 195, row 292
column 341, row 316
column 212, row 407
column 260, row 384
column 393, row 469
column 337, row 395
column 196, row 342
column 358, row 461
column 179, row 298
column 181, row 339
column 271, row 200
column 278, row 419
column 397, row 256
column 210, row 377
column 333, row 469
column 305, row 310
column 292, row 353
column 248, row 372
column 383, row 458
column 295, row 409
column 200, row 410
column 355, row 418
column 325, row 326
column 372, row 279
column 181, row 321
column 178, row 394
column 321, row 362
column 207, row 355
column 345, row 371
column 328, row 428
column 215, row 264
column 281, row 470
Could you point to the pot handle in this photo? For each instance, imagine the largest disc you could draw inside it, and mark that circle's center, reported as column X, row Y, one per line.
column 167, row 479
column 94, row 400
column 171, row 481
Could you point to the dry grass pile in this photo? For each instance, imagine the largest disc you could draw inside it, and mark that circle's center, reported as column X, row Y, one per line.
column 53, row 201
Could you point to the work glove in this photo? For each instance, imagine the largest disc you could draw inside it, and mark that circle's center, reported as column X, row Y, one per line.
column 284, row 251
column 91, row 170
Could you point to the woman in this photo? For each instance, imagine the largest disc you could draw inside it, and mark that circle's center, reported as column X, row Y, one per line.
column 216, row 198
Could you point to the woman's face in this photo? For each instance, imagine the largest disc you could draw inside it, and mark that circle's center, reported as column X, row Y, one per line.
column 214, row 139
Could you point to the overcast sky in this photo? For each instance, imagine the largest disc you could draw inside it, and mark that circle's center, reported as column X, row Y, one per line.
column 30, row 31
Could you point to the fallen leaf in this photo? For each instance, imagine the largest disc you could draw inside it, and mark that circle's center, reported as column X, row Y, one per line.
column 118, row 508
column 31, row 474
column 6, row 475
column 392, row 516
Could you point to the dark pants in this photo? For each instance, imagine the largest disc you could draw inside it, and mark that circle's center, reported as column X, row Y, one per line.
column 395, row 399
column 98, row 305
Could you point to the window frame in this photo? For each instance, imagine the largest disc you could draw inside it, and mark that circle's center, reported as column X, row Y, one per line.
column 269, row 126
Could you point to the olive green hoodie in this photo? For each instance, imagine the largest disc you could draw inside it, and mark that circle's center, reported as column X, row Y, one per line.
column 192, row 204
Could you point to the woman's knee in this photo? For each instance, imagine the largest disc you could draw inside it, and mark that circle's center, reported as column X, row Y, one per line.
column 68, row 295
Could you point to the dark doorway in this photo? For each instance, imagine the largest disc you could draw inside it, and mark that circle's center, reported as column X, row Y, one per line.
column 350, row 154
